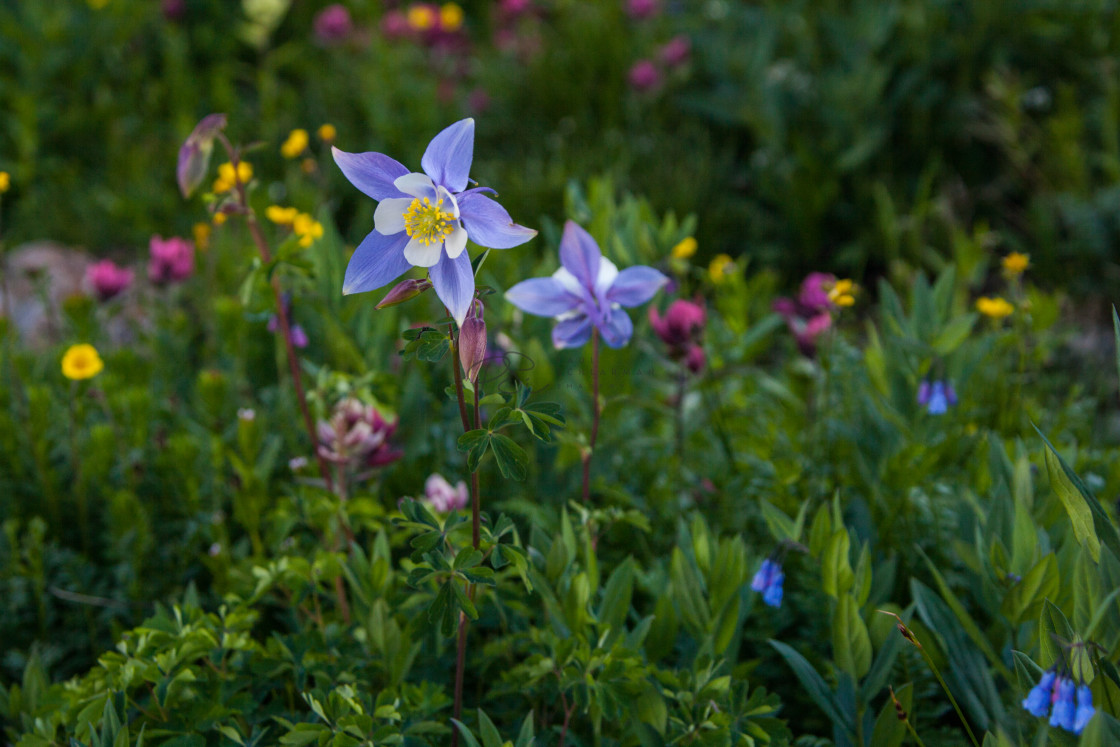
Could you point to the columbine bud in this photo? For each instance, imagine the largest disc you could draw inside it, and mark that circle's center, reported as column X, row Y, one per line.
column 404, row 291
column 194, row 155
column 472, row 342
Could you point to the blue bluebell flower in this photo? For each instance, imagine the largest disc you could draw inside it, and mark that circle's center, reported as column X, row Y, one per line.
column 424, row 219
column 936, row 397
column 1085, row 709
column 587, row 291
column 1038, row 699
column 768, row 580
column 1063, row 714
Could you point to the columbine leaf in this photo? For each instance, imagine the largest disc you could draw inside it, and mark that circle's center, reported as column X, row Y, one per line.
column 511, row 458
column 474, row 444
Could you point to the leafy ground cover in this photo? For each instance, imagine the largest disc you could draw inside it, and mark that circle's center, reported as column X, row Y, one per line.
column 359, row 451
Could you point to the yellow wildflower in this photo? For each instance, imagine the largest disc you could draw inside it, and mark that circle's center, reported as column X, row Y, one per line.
column 219, row 218
column 720, row 267
column 281, row 216
column 421, row 17
column 843, row 293
column 81, row 362
column 201, row 232
column 5, row 182
column 227, row 180
column 295, row 144
column 996, row 308
column 451, row 17
column 685, row 249
column 307, row 228
column 1015, row 264
column 327, row 133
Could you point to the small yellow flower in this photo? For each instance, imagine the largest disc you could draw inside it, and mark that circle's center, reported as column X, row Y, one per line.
column 996, row 308
column 451, row 17
column 295, row 144
column 421, row 18
column 281, row 216
column 843, row 293
column 219, row 218
column 307, row 228
column 81, row 362
column 1015, row 264
column 201, row 233
column 720, row 267
column 227, row 180
column 685, row 249
column 5, row 182
column 327, row 133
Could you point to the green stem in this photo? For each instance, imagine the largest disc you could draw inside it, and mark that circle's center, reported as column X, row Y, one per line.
column 945, row 687
column 594, row 414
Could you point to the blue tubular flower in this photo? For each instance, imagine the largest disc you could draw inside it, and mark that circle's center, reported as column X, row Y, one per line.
column 1085, row 709
column 1037, row 701
column 587, row 291
column 768, row 580
column 424, row 219
column 936, row 397
column 1063, row 714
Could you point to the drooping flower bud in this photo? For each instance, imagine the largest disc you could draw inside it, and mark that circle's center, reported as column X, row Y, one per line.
column 404, row 291
column 194, row 155
column 472, row 342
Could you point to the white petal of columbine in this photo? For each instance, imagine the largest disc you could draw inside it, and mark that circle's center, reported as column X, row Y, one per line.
column 448, row 199
column 417, row 185
column 422, row 255
column 456, row 242
column 569, row 281
column 608, row 271
column 389, row 216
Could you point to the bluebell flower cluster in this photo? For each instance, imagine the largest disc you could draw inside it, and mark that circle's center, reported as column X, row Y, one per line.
column 768, row 581
column 937, row 396
column 1072, row 705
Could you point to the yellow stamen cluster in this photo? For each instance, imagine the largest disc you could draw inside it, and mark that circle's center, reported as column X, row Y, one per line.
column 685, row 249
column 843, row 293
column 995, row 308
column 5, row 182
column 1015, row 264
column 327, row 133
column 81, row 362
column 720, row 268
column 426, row 222
column 295, row 144
column 227, row 178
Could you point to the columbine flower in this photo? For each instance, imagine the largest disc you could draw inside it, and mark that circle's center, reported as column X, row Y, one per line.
column 995, row 308
column 425, row 219
column 936, row 397
column 443, row 497
column 108, row 279
column 588, row 291
column 1085, row 709
column 1064, row 710
column 1016, row 264
column 171, row 260
column 194, row 155
column 81, row 362
column 357, row 433
column 768, row 581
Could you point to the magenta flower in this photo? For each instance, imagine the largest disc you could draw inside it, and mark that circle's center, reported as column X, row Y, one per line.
column 644, row 76
column 443, row 497
column 108, row 279
column 424, row 219
column 587, row 291
column 171, row 260
column 333, row 24
column 394, row 25
column 680, row 329
column 675, row 52
column 809, row 315
column 641, row 9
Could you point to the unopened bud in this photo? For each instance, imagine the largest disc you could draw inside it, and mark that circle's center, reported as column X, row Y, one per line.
column 194, row 155
column 472, row 342
column 403, row 291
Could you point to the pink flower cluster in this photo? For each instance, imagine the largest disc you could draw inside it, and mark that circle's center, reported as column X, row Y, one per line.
column 646, row 75
column 810, row 314
column 680, row 329
column 170, row 260
column 333, row 24
column 442, row 496
column 357, row 434
column 108, row 279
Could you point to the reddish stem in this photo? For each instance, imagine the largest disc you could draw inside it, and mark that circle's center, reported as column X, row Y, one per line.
column 594, row 414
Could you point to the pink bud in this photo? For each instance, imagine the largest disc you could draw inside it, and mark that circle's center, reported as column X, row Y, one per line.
column 695, row 359
column 472, row 342
column 403, row 291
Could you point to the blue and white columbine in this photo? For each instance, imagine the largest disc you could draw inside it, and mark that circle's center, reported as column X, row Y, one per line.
column 424, row 219
column 587, row 291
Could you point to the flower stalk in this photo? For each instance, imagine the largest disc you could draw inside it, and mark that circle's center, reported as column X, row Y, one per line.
column 590, row 450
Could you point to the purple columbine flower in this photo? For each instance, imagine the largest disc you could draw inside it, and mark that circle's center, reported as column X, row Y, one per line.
column 588, row 291
column 424, row 219
column 1037, row 701
column 768, row 581
column 1064, row 711
column 936, row 397
column 1085, row 709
